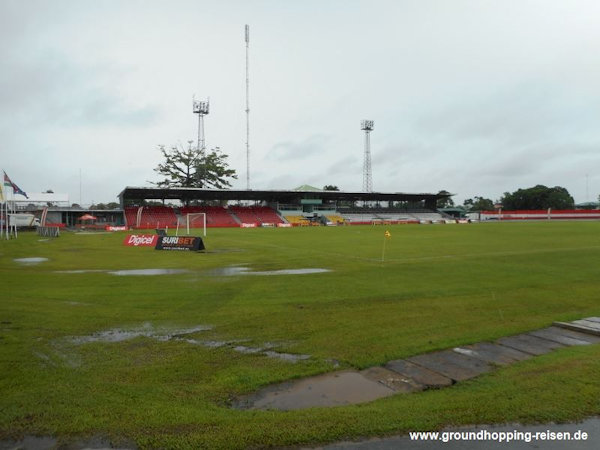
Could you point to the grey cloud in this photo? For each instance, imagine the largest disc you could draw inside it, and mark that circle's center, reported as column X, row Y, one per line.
column 519, row 114
column 55, row 92
column 347, row 165
column 293, row 150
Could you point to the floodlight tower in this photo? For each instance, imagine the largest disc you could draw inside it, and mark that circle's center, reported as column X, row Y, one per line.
column 247, row 111
column 367, row 127
column 201, row 108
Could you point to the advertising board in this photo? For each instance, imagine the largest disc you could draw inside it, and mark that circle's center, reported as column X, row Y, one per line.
column 137, row 240
column 181, row 243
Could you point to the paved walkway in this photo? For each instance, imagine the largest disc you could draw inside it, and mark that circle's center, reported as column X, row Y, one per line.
column 417, row 373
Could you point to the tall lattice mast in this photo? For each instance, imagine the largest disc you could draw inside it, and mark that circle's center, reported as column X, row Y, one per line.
column 247, row 110
column 201, row 108
column 367, row 127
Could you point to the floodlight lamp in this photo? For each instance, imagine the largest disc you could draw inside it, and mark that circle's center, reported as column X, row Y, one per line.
column 366, row 125
column 201, row 107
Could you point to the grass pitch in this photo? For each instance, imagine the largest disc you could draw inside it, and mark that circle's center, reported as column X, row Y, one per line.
column 439, row 286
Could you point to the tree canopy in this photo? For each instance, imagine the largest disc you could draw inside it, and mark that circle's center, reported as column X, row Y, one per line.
column 478, row 204
column 187, row 168
column 330, row 187
column 538, row 197
column 445, row 202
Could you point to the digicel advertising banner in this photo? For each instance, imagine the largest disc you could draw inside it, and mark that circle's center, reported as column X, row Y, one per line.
column 136, row 240
column 185, row 243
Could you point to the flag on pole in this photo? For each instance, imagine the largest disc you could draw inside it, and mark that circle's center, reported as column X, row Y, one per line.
column 387, row 234
column 16, row 189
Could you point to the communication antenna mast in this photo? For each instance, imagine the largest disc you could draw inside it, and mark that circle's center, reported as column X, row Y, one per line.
column 247, row 110
column 367, row 127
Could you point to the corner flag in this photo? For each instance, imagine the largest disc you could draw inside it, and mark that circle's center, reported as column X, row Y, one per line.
column 16, row 189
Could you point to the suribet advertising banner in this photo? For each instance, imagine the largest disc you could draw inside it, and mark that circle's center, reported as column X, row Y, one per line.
column 182, row 243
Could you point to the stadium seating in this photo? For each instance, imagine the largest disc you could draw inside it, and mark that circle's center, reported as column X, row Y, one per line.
column 334, row 218
column 297, row 220
column 256, row 214
column 131, row 215
column 366, row 216
column 152, row 217
column 216, row 216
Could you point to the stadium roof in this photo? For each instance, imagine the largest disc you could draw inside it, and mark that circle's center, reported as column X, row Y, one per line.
column 290, row 196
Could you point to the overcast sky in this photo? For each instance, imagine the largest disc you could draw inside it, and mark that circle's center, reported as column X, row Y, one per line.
column 476, row 97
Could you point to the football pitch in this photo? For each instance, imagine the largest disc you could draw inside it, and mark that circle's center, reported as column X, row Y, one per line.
column 89, row 349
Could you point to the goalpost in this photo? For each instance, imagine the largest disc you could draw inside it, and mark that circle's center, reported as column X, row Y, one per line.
column 189, row 217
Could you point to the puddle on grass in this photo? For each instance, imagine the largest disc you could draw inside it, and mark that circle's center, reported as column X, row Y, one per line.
column 266, row 349
column 48, row 442
column 31, row 443
column 120, row 335
column 148, row 272
column 290, row 272
column 219, row 272
column 333, row 389
column 228, row 271
column 243, row 270
column 80, row 271
column 30, row 261
column 163, row 335
column 290, row 357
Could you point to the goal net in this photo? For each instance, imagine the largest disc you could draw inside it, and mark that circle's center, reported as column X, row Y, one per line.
column 195, row 220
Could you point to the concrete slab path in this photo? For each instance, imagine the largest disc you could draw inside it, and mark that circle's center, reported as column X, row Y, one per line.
column 431, row 370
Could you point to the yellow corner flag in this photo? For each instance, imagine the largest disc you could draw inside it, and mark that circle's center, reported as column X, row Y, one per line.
column 386, row 235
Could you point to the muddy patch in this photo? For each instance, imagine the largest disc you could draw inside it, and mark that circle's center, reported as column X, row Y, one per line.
column 334, row 389
column 30, row 261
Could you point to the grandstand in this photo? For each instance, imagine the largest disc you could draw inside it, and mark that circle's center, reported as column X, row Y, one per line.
column 278, row 208
column 297, row 207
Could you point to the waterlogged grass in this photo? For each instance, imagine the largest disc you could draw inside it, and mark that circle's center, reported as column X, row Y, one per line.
column 439, row 286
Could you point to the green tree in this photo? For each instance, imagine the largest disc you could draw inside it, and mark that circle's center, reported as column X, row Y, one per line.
column 330, row 187
column 478, row 204
column 538, row 197
column 187, row 168
column 446, row 201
